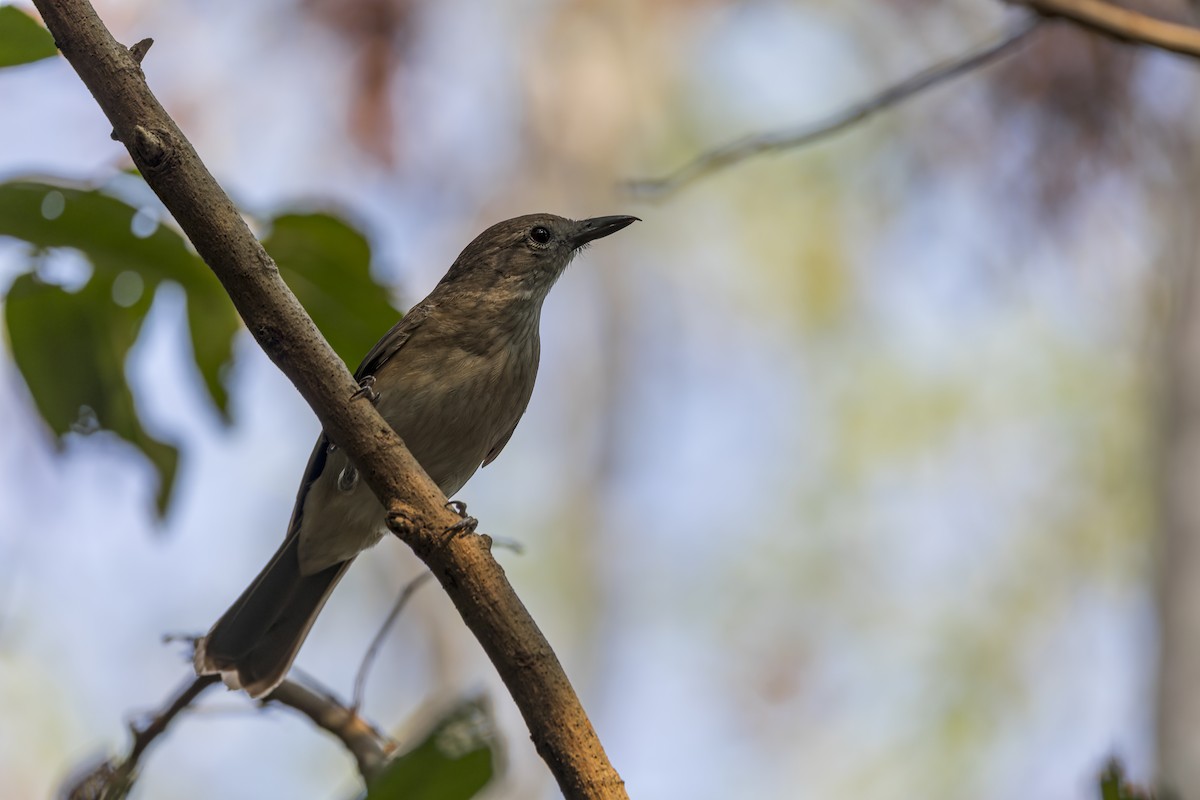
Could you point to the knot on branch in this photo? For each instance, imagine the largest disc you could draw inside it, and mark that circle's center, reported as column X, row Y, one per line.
column 152, row 147
column 403, row 521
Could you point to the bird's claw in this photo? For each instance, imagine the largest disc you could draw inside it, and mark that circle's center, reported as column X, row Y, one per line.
column 464, row 526
column 366, row 389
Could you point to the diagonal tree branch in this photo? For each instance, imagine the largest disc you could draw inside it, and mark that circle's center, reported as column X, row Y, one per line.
column 739, row 150
column 473, row 580
column 1121, row 23
column 112, row 779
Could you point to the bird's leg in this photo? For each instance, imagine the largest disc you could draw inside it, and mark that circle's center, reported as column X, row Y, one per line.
column 466, row 525
column 347, row 478
column 365, row 389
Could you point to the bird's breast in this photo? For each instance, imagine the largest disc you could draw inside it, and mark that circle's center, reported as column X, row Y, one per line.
column 452, row 410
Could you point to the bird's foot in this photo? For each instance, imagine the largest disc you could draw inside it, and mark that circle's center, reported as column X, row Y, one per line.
column 366, row 389
column 464, row 526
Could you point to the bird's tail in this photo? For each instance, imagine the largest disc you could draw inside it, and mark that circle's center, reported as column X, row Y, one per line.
column 253, row 644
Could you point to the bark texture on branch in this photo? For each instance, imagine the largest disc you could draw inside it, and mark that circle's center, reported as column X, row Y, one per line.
column 464, row 565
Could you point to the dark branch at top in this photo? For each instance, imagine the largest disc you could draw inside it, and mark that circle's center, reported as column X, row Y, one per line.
column 1120, row 23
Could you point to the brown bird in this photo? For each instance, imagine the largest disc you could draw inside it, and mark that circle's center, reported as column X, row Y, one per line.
column 453, row 378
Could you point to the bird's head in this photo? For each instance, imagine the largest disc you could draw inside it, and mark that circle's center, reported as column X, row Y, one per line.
column 521, row 258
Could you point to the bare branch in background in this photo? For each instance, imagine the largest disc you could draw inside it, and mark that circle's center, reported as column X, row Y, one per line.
column 1095, row 15
column 417, row 510
column 772, row 142
column 364, row 669
column 369, row 747
column 112, row 779
column 1121, row 23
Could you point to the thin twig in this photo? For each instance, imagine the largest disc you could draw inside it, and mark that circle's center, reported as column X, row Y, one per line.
column 364, row 669
column 369, row 747
column 142, row 737
column 113, row 779
column 741, row 149
column 1121, row 23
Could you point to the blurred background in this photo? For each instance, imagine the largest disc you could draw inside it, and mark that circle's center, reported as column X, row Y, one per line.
column 848, row 469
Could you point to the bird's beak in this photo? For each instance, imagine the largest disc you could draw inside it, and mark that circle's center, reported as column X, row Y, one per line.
column 588, row 230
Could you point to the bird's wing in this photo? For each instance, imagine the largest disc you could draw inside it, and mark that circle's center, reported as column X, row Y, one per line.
column 392, row 341
column 383, row 350
column 316, row 465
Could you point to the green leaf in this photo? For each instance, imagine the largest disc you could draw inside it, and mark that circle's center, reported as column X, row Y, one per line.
column 86, row 368
column 71, row 350
column 212, row 323
column 22, row 38
column 1113, row 785
column 327, row 264
column 326, row 261
column 1110, row 783
column 453, row 762
column 100, row 227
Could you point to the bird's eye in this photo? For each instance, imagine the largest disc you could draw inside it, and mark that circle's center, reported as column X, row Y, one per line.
column 540, row 235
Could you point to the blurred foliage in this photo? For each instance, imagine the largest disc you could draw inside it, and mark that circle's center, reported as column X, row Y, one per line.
column 347, row 305
column 1113, row 785
column 22, row 39
column 1079, row 92
column 71, row 343
column 454, row 761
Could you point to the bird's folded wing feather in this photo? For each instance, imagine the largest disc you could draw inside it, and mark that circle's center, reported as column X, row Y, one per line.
column 393, row 340
column 384, row 349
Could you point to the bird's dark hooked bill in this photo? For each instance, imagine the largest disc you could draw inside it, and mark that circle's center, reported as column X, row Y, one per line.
column 589, row 230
